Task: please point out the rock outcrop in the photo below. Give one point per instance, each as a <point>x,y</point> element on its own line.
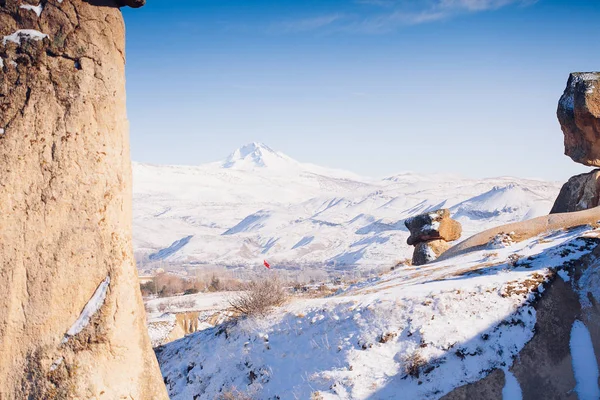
<point>434,225</point>
<point>579,193</point>
<point>544,368</point>
<point>579,116</point>
<point>71,315</point>
<point>429,233</point>
<point>523,230</point>
<point>426,252</point>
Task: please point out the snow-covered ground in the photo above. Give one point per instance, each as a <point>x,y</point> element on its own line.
<point>418,331</point>
<point>211,308</point>
<point>260,204</point>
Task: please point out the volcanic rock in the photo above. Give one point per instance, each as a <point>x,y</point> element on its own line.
<point>579,193</point>
<point>426,252</point>
<point>435,225</point>
<point>72,325</point>
<point>579,116</point>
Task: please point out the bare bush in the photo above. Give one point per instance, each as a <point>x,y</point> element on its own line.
<point>233,394</point>
<point>259,297</point>
<point>414,364</point>
<point>185,303</point>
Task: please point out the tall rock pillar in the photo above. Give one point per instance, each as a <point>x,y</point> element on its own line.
<point>71,315</point>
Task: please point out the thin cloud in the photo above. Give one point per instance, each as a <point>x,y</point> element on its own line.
<point>306,24</point>
<point>390,15</point>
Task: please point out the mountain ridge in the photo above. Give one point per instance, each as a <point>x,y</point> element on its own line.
<point>261,203</point>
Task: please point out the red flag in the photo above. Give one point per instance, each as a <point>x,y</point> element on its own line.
<point>266,264</point>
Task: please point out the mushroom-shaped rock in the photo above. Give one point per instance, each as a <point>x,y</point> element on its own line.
<point>579,193</point>
<point>434,225</point>
<point>579,116</point>
<point>426,252</point>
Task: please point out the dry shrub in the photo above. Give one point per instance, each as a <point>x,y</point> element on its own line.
<point>414,364</point>
<point>259,297</point>
<point>233,394</point>
<point>162,307</point>
<point>185,303</point>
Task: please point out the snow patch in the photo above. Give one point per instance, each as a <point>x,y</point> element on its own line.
<point>511,389</point>
<point>502,240</point>
<point>27,34</point>
<point>584,362</point>
<point>36,9</point>
<point>56,363</point>
<point>92,306</point>
<point>564,275</point>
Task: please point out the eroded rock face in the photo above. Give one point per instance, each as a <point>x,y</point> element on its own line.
<point>426,252</point>
<point>71,315</point>
<point>579,193</point>
<point>435,225</point>
<point>544,368</point>
<point>579,116</point>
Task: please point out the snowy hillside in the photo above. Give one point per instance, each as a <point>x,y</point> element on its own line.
<point>418,331</point>
<point>261,204</point>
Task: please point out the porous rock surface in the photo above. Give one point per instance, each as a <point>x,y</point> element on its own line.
<point>426,252</point>
<point>579,193</point>
<point>71,315</point>
<point>544,367</point>
<point>579,116</point>
<point>434,225</point>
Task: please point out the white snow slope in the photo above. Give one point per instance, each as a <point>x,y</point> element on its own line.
<point>260,204</point>
<point>418,331</point>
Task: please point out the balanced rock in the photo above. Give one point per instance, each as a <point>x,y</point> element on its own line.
<point>72,324</point>
<point>579,116</point>
<point>434,225</point>
<point>579,193</point>
<point>426,252</point>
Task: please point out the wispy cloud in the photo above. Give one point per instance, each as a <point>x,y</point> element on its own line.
<point>381,16</point>
<point>306,24</point>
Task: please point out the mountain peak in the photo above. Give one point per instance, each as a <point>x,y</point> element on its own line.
<point>256,155</point>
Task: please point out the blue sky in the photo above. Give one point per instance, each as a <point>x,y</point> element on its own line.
<point>372,86</point>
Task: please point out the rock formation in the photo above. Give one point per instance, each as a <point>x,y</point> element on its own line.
<point>579,116</point>
<point>430,233</point>
<point>426,252</point>
<point>71,315</point>
<point>523,230</point>
<point>544,368</point>
<point>579,193</point>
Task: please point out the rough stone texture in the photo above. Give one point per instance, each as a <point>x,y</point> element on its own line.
<point>579,116</point>
<point>488,388</point>
<point>544,367</point>
<point>65,210</point>
<point>426,252</point>
<point>525,229</point>
<point>579,193</point>
<point>433,225</point>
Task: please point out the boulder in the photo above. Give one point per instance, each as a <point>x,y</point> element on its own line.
<point>579,193</point>
<point>72,324</point>
<point>579,116</point>
<point>426,252</point>
<point>434,225</point>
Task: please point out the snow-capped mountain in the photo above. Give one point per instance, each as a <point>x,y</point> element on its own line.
<point>259,155</point>
<point>261,204</point>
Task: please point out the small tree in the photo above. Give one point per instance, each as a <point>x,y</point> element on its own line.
<point>215,284</point>
<point>259,297</point>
